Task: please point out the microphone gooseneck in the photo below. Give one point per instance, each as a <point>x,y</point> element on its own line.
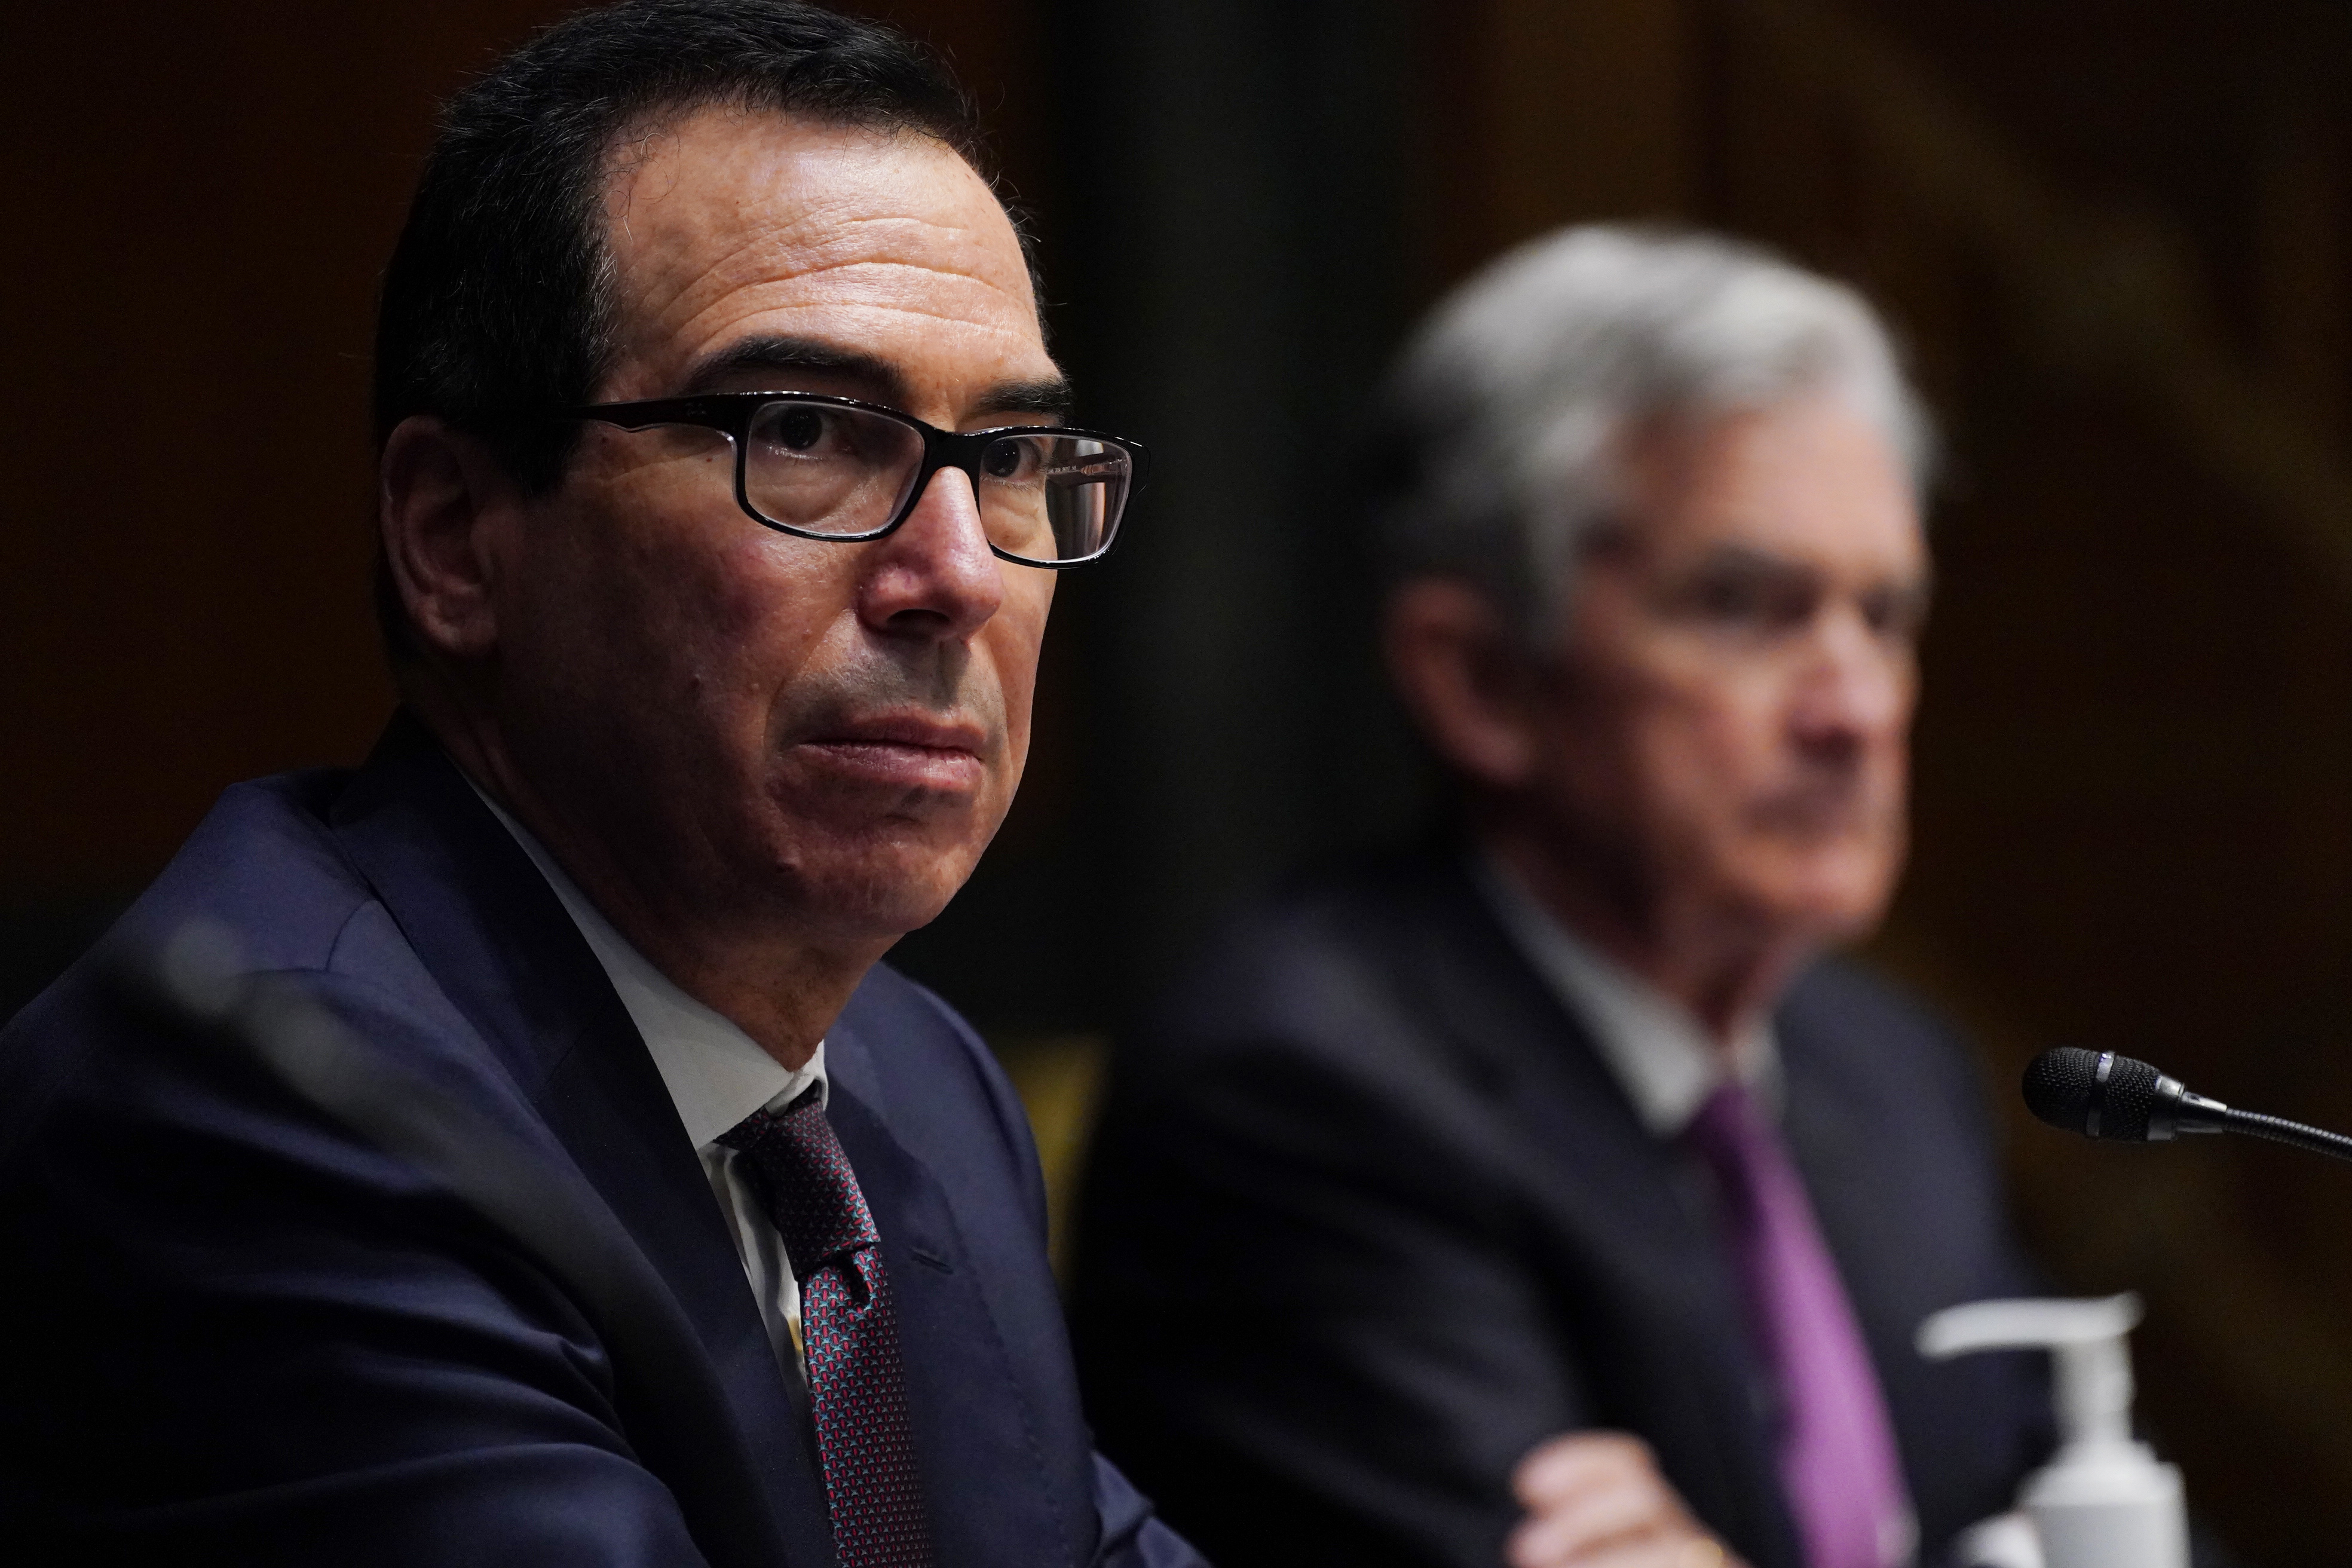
<point>2118,1099</point>
<point>2293,1135</point>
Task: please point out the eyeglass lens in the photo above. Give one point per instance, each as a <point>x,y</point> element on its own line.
<point>828,469</point>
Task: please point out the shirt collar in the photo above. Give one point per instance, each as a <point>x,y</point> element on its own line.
<point>716,1074</point>
<point>1650,1044</point>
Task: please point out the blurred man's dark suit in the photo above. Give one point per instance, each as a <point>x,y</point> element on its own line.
<point>238,1333</point>
<point>1369,1218</point>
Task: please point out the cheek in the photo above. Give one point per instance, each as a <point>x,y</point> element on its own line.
<point>738,614</point>
<point>1009,646</point>
<point>1716,762</point>
<point>683,642</point>
<point>1710,742</point>
<point>766,605</point>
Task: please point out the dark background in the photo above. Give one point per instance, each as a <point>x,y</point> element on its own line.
<point>2117,237</point>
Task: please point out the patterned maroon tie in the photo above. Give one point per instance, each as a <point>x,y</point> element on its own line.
<point>857,1387</point>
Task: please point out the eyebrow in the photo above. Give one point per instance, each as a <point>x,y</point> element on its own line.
<point>1747,558</point>
<point>1044,398</point>
<point>1048,398</point>
<point>881,380</point>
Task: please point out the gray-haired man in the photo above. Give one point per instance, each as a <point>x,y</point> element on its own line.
<point>1542,1195</point>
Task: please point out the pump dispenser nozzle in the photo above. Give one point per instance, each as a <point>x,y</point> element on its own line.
<point>2104,1500</point>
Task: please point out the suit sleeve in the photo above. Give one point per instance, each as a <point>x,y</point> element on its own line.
<point>1302,1323</point>
<point>261,1341</point>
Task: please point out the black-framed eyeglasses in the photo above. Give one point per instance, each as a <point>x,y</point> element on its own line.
<point>834,468</point>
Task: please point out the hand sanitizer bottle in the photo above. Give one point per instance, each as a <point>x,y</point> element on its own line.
<point>2104,1500</point>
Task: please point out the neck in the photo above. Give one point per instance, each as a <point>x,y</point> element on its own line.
<point>1726,970</point>
<point>782,985</point>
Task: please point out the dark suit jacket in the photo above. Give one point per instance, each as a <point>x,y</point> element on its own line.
<point>235,1332</point>
<point>1368,1218</point>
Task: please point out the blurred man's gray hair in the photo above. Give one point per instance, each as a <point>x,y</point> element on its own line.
<point>1503,415</point>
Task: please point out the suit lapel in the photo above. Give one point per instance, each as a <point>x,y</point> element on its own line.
<point>608,1105</point>
<point>1606,1166</point>
<point>991,1499</point>
<point>495,937</point>
<point>1628,1200</point>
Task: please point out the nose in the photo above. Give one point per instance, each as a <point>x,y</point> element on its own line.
<point>1858,688</point>
<point>934,577</point>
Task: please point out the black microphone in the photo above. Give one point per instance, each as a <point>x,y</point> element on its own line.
<point>2102,1095</point>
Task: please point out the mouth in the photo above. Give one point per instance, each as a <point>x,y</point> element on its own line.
<point>913,750</point>
<point>1822,810</point>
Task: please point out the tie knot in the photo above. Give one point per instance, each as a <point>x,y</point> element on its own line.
<point>1727,1114</point>
<point>812,1194</point>
<point>1729,1134</point>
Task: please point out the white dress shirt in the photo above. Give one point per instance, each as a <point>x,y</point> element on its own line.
<point>1651,1045</point>
<point>716,1075</point>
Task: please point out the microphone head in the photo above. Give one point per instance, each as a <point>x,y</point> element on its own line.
<point>2059,1084</point>
<point>2067,1089</point>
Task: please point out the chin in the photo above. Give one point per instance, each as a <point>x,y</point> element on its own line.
<point>884,888</point>
<point>871,870</point>
<point>1836,896</point>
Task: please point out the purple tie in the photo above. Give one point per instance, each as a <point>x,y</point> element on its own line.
<point>1838,1460</point>
<point>858,1386</point>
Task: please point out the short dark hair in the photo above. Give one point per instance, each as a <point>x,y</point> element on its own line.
<point>498,302</point>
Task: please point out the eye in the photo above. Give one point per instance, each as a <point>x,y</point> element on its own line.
<point>1895,613</point>
<point>798,429</point>
<point>1729,597</point>
<point>1005,459</point>
<point>1753,600</point>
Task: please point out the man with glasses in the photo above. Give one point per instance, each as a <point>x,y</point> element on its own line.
<point>724,479</point>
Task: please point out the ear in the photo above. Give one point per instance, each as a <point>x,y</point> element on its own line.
<point>441,501</point>
<point>1465,678</point>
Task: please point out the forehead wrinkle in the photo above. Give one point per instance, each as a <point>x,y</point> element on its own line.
<point>879,267</point>
<point>755,209</point>
<point>712,320</point>
<point>1011,363</point>
<point>845,258</point>
<point>825,224</point>
<point>855,243</point>
<point>680,311</point>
